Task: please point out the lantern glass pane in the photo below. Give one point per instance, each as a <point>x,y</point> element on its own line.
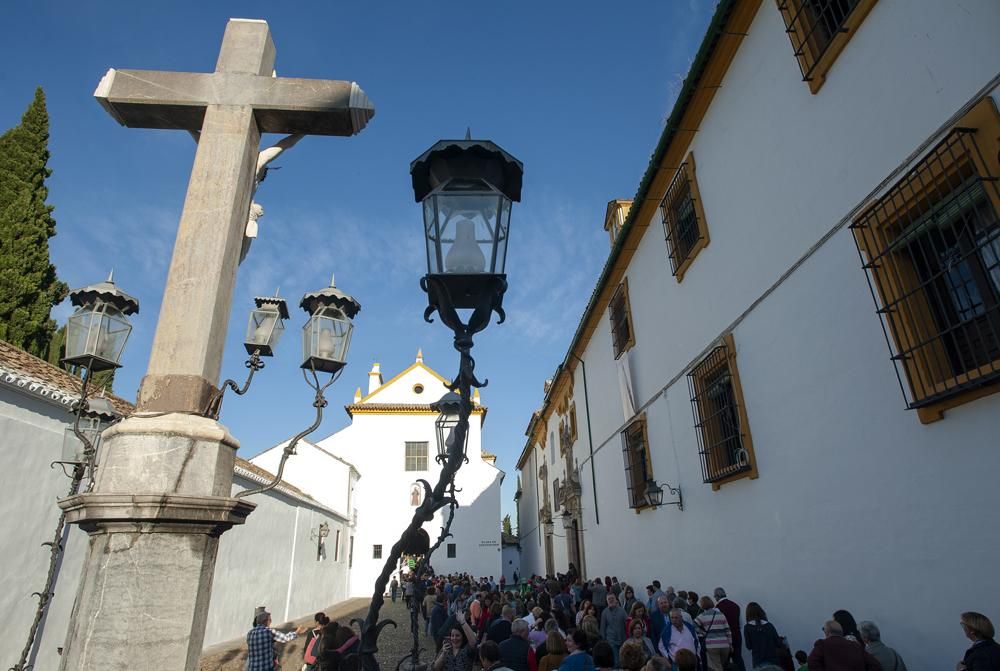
<point>326,338</point>
<point>264,329</point>
<point>97,332</point>
<point>466,231</point>
<point>72,448</point>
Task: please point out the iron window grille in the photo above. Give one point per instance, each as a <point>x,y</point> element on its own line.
<point>336,547</point>
<point>452,550</point>
<point>719,418</point>
<point>931,251</point>
<point>376,552</point>
<point>635,449</point>
<point>683,219</point>
<point>818,30</point>
<point>621,320</point>
<point>416,456</point>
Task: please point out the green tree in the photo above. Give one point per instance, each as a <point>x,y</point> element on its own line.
<point>505,525</point>
<point>28,283</point>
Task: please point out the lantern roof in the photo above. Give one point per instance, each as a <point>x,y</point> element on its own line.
<point>466,159</point>
<point>274,300</point>
<point>449,403</point>
<point>100,407</point>
<point>314,300</point>
<point>107,292</point>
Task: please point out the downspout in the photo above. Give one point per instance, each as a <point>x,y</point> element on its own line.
<point>590,436</point>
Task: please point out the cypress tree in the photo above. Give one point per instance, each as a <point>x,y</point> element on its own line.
<point>28,283</point>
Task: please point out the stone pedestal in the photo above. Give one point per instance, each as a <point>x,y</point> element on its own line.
<point>160,503</point>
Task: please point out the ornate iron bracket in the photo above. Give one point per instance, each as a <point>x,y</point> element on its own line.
<point>254,363</point>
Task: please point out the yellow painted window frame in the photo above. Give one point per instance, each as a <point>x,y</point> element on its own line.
<point>815,65</point>
<point>622,291</point>
<point>985,119</point>
<point>746,438</point>
<point>684,182</point>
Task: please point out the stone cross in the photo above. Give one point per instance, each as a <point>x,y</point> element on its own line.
<point>231,107</point>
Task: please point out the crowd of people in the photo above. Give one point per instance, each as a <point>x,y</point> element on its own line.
<point>329,646</point>
<point>565,623</point>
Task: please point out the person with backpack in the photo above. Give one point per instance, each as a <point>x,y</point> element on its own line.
<point>311,651</point>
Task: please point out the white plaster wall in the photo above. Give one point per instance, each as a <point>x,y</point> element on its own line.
<point>858,505</point>
<point>529,531</point>
<point>271,560</point>
<point>32,432</point>
<point>510,559</point>
<point>323,476</point>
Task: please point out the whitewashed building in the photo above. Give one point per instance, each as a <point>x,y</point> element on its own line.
<point>278,558</point>
<point>375,464</point>
<point>798,330</point>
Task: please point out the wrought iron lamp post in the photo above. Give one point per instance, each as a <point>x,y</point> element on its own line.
<point>326,337</point>
<point>96,334</point>
<point>466,188</point>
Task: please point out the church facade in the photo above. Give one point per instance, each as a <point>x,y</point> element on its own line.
<point>376,463</point>
<point>795,334</point>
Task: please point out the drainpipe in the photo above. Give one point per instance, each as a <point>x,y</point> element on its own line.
<point>590,436</point>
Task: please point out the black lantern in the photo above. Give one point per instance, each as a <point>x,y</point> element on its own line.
<point>567,521</point>
<point>466,188</point>
<point>97,331</point>
<point>98,414</point>
<point>448,407</point>
<point>266,325</point>
<point>326,337</point>
<point>654,494</point>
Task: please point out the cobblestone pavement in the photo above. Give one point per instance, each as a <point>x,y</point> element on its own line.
<point>393,643</point>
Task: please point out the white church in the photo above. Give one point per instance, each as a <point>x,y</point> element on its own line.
<point>373,467</point>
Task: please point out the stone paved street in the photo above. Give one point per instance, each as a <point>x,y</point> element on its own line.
<point>393,644</point>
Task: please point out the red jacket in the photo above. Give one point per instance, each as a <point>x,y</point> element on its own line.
<point>836,653</point>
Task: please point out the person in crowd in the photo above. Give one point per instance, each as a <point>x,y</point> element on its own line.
<point>761,637</point>
<point>669,591</point>
<point>516,652</point>
<point>628,600</point>
<point>802,659</point>
<point>871,637</point>
<point>577,658</point>
<point>533,615</point>
<point>489,655</point>
<point>536,635</point>
<point>660,618</point>
<point>499,631</point>
<point>590,626</point>
<point>408,591</point>
<point>678,635</point>
<point>681,604</point>
<point>837,653</point>
<point>261,655</point>
<point>604,658</point>
<point>638,612</point>
<point>393,588</point>
<point>338,644</point>
<point>551,625</point>
<point>599,595</point>
<point>686,660</point>
<point>582,610</point>
<point>658,664</point>
<point>311,649</point>
<point>632,656</point>
<point>459,650</point>
<point>713,627</point>
<point>555,652</point>
<point>693,609</point>
<point>439,615</point>
<point>848,625</point>
<point>637,636</point>
<point>732,612</point>
<point>613,627</point>
<point>984,655</point>
<point>427,607</point>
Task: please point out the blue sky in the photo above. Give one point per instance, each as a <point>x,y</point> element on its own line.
<point>577,91</point>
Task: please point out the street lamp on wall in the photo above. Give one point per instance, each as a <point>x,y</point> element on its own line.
<point>654,494</point>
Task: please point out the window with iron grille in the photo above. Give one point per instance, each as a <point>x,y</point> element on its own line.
<point>931,250</point>
<point>819,30</point>
<point>376,552</point>
<point>635,448</point>
<point>683,219</point>
<point>720,416</point>
<point>621,320</point>
<point>452,550</point>
<point>416,456</point>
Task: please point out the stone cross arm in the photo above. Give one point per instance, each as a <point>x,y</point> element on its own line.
<point>287,105</point>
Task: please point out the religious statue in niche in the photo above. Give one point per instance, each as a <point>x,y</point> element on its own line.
<point>415,495</point>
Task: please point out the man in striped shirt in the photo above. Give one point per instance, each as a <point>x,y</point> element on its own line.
<point>714,628</point>
<point>261,640</point>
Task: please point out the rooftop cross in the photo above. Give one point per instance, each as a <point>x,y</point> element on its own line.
<point>230,107</point>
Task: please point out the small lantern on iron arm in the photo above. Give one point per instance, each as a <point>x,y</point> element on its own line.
<point>448,408</point>
<point>266,325</point>
<point>97,331</point>
<point>466,188</point>
<point>326,337</point>
<point>654,494</point>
